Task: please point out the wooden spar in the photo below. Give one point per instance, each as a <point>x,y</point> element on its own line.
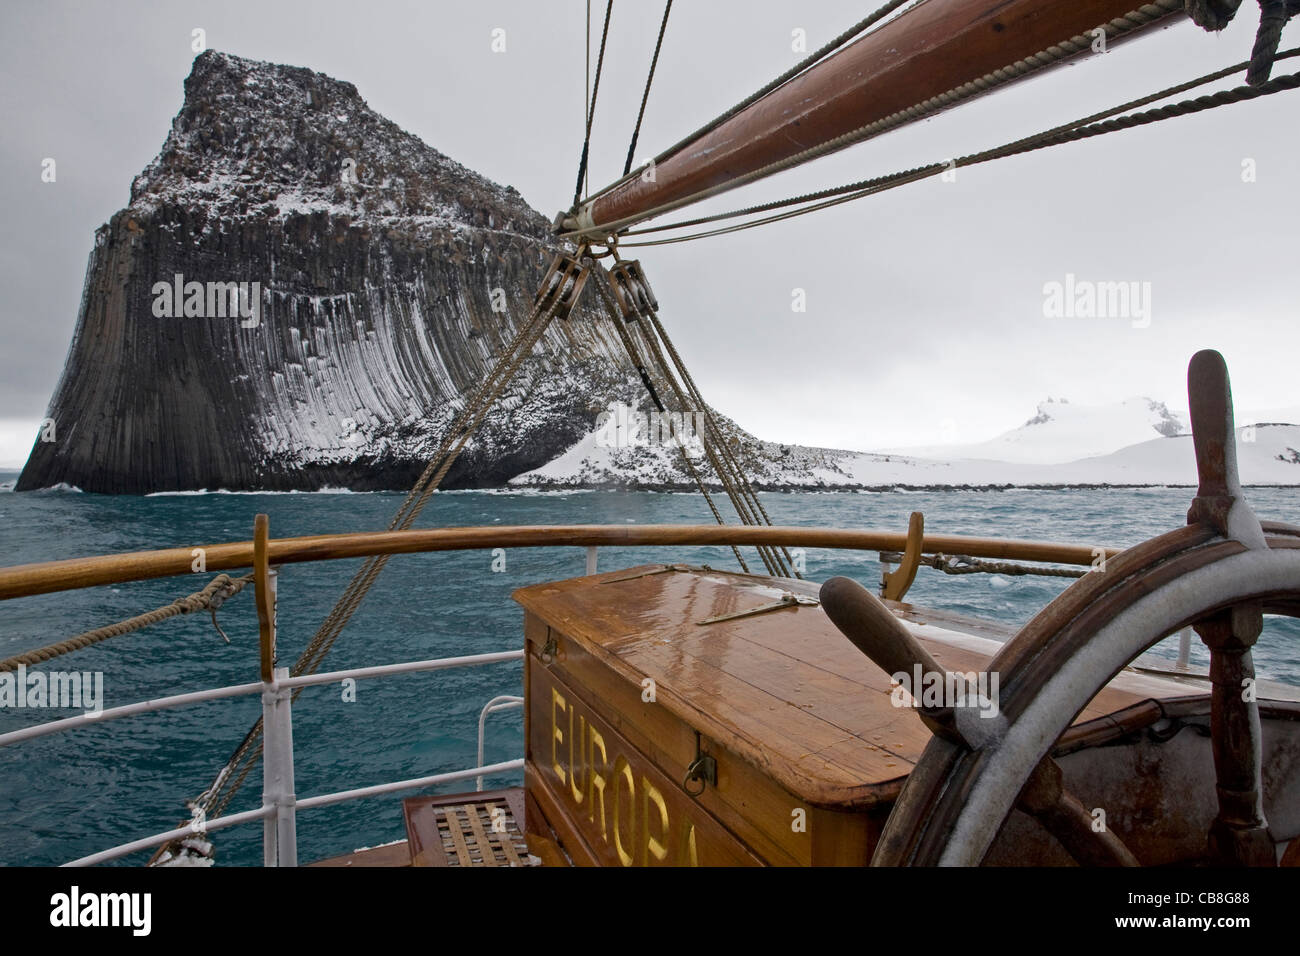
<point>74,573</point>
<point>932,49</point>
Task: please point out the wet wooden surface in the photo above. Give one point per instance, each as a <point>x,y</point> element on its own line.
<point>390,855</point>
<point>784,688</point>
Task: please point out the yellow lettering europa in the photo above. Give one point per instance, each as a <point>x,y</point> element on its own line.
<point>596,779</point>
<point>687,855</point>
<point>624,806</point>
<point>654,846</point>
<point>575,755</point>
<point>557,703</point>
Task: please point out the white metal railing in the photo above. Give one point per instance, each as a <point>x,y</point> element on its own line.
<point>279,801</point>
<point>496,704</point>
<point>236,690</point>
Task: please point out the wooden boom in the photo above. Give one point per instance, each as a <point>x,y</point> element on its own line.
<point>935,48</point>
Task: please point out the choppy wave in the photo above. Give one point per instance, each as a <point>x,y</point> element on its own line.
<point>227,491</point>
<point>430,605</point>
<point>511,491</point>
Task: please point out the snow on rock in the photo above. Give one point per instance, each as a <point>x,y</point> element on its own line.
<point>376,258</point>
<point>1267,455</point>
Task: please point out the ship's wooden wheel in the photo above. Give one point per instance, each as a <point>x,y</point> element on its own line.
<point>1220,574</point>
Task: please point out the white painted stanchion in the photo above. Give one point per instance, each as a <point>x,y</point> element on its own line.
<point>501,702</point>
<point>279,831</point>
<point>280,844</point>
<point>1184,647</point>
<point>591,560</point>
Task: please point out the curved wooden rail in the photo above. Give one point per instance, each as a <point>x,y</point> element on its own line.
<point>74,573</point>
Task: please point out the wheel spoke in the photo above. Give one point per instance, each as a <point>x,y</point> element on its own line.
<point>1239,834</point>
<point>1065,817</point>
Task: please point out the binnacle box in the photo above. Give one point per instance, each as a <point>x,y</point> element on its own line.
<point>683,716</point>
<point>628,695</point>
<point>793,750</point>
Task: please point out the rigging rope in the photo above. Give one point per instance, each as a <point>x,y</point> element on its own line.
<point>730,476</point>
<point>586,77</point>
<point>961,564</point>
<point>639,362</point>
<point>654,60</point>
<point>591,110</point>
<point>1056,137</point>
<point>711,450</point>
<point>1273,17</point>
<point>785,77</point>
<point>647,357</point>
<point>867,183</point>
<point>212,596</point>
<point>746,487</point>
<point>215,799</point>
<point>1057,53</point>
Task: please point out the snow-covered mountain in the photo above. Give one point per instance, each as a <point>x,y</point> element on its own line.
<point>1061,432</point>
<point>1268,454</point>
<point>1270,416</point>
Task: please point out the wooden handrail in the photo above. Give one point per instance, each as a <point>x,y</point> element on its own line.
<point>74,573</point>
<point>263,593</point>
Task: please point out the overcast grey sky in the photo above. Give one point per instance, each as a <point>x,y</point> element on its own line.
<point>924,316</point>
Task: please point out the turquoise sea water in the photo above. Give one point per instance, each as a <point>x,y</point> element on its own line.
<point>71,794</point>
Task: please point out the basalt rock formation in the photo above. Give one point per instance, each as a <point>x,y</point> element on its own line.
<point>380,279</point>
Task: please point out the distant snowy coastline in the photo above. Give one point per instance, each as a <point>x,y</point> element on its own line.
<point>1135,443</point>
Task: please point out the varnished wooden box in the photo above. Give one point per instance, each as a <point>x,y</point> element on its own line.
<point>626,689</point>
<point>630,680</point>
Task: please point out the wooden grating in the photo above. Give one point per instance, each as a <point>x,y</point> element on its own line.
<point>468,829</point>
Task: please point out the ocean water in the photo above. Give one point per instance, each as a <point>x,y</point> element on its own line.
<point>71,794</point>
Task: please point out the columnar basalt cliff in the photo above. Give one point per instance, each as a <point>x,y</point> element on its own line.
<point>380,280</point>
<point>375,260</point>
